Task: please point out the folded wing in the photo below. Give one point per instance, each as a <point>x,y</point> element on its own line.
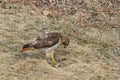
<point>45,41</point>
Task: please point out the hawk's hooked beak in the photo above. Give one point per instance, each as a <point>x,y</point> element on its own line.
<point>25,49</point>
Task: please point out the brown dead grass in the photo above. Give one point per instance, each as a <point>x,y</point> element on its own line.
<point>93,29</point>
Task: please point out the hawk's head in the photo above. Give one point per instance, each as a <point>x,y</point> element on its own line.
<point>65,42</point>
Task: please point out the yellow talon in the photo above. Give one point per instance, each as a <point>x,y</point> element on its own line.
<point>54,61</point>
<point>52,57</point>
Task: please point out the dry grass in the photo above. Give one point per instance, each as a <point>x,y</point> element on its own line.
<point>91,25</point>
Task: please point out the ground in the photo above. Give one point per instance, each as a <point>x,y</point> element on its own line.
<point>93,52</point>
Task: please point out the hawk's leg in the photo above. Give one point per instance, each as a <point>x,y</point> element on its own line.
<point>52,57</point>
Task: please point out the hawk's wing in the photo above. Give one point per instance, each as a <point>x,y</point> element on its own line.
<point>45,41</point>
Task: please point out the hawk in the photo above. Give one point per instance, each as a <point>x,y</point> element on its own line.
<point>49,42</point>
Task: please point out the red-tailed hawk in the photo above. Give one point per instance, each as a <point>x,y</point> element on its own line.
<point>49,42</point>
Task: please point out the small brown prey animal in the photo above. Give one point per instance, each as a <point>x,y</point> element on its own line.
<point>49,42</point>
